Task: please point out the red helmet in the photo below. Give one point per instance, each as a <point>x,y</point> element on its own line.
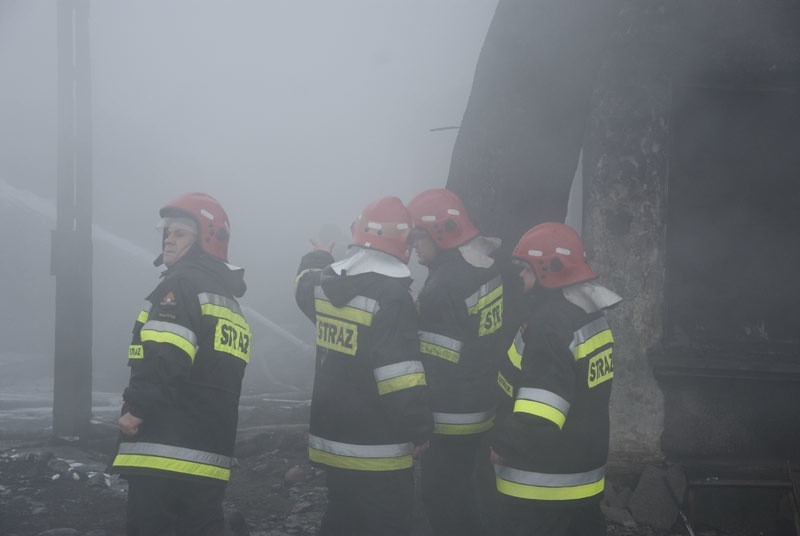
<point>384,225</point>
<point>442,214</point>
<point>211,219</point>
<point>555,252</point>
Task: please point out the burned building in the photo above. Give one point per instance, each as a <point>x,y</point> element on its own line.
<point>687,117</point>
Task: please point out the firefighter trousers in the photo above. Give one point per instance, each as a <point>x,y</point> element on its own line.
<point>519,517</point>
<point>368,503</point>
<point>171,507</point>
<point>457,481</point>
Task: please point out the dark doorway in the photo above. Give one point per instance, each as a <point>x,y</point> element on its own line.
<point>730,369</point>
<point>733,249</point>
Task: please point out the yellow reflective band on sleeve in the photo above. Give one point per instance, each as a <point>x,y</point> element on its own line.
<point>143,316</point>
<point>462,423</point>
<point>171,465</point>
<point>398,376</point>
<point>543,493</point>
<point>135,351</point>
<point>232,339</point>
<point>505,385</point>
<point>540,410</point>
<point>360,457</point>
<point>337,335</point>
<point>549,486</point>
<point>515,353</point>
<point>601,368</point>
<point>360,464</point>
<point>401,382</point>
<point>149,335</point>
<point>439,351</point>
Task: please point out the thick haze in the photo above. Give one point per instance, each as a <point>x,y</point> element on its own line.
<point>293,114</point>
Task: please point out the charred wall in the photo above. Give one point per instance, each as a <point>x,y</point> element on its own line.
<point>654,71</point>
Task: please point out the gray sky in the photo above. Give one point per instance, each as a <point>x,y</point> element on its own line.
<point>289,112</point>
<point>293,114</point>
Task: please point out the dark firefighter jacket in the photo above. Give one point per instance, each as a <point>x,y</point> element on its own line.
<point>554,438</point>
<point>369,406</point>
<point>188,354</point>
<point>460,321</point>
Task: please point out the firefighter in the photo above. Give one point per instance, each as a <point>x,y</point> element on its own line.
<point>550,451</point>
<point>190,347</point>
<point>461,319</point>
<point>369,411</point>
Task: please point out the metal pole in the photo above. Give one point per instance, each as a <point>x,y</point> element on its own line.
<point>71,257</point>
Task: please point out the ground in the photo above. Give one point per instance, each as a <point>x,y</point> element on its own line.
<point>58,487</point>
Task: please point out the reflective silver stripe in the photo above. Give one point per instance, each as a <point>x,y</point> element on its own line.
<point>548,480</point>
<point>462,418</point>
<point>222,301</point>
<point>484,290</point>
<point>545,397</point>
<point>588,331</point>
<point>147,306</point>
<point>440,340</point>
<point>397,369</point>
<point>169,327</point>
<point>176,453</point>
<point>360,451</point>
<point>359,302</point>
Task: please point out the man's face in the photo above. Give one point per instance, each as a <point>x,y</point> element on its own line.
<point>528,277</point>
<point>424,246</point>
<point>178,238</point>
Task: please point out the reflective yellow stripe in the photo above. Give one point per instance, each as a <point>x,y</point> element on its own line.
<point>148,335</point>
<point>401,382</point>
<point>172,465</point>
<point>347,313</point>
<point>135,351</point>
<point>549,486</point>
<point>505,385</point>
<point>515,356</point>
<point>586,348</point>
<point>540,410</point>
<point>360,464</point>
<point>462,423</point>
<point>461,429</point>
<point>224,313</point>
<point>590,337</point>
<point>484,301</point>
<point>486,294</point>
<point>143,316</point>
<point>439,351</point>
<point>542,493</point>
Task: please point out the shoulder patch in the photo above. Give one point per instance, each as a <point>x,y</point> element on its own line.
<point>168,300</point>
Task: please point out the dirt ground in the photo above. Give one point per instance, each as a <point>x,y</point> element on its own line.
<point>57,487</point>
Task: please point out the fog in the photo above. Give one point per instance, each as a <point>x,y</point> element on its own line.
<point>293,115</point>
